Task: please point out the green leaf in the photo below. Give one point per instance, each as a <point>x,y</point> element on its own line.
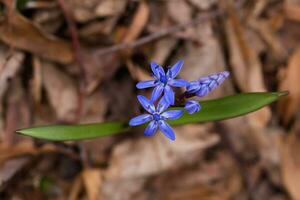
<point>212,110</point>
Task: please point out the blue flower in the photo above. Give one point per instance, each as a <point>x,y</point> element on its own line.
<point>206,84</point>
<point>192,106</point>
<point>163,82</point>
<point>157,117</point>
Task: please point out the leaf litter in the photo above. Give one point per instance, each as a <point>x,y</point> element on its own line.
<point>43,80</point>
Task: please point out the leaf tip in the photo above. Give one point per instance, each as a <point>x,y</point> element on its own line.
<point>283,93</point>
<point>22,131</point>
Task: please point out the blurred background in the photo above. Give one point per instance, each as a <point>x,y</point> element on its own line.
<point>77,61</point>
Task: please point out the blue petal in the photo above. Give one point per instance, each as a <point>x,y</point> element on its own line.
<point>151,128</point>
<point>166,130</point>
<point>178,83</point>
<point>172,114</point>
<point>162,105</point>
<point>146,84</point>
<point>141,119</point>
<point>204,90</point>
<point>192,106</point>
<point>193,87</point>
<point>147,105</point>
<point>173,72</point>
<point>156,93</point>
<point>169,95</point>
<point>157,70</point>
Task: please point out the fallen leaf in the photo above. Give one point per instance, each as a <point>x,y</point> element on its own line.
<point>10,168</point>
<point>205,59</point>
<point>17,113</point>
<point>246,66</point>
<point>127,189</point>
<point>291,163</point>
<point>37,80</point>
<point>148,156</point>
<point>162,49</point>
<point>136,72</point>
<point>108,8</point>
<point>292,10</point>
<point>61,92</point>
<point>179,11</point>
<point>203,4</point>
<point>288,106</point>
<point>92,182</point>
<point>90,10</point>
<point>9,67</point>
<point>21,33</point>
<point>76,188</point>
<point>138,23</point>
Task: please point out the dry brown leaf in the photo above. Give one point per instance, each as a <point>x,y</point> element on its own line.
<point>204,59</point>
<point>148,156</point>
<point>92,182</point>
<point>109,8</point>
<point>289,105</point>
<point>138,23</point>
<point>196,193</point>
<point>246,66</point>
<point>17,111</point>
<point>291,163</point>
<point>136,72</point>
<point>269,36</point>
<point>61,91</point>
<point>76,188</point>
<point>37,80</point>
<point>23,148</point>
<point>203,4</point>
<point>136,27</point>
<point>10,168</point>
<point>179,11</point>
<point>292,10</point>
<point>162,49</point>
<point>123,189</point>
<point>22,33</point>
<point>91,9</point>
<point>9,67</point>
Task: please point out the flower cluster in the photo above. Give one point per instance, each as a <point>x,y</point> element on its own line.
<point>163,97</point>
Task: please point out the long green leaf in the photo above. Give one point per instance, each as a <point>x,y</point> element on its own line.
<point>212,110</point>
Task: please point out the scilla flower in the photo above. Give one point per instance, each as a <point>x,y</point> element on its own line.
<point>205,85</point>
<point>163,82</point>
<point>157,117</point>
<point>192,106</point>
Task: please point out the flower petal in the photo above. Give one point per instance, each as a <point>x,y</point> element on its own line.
<point>162,105</point>
<point>192,106</point>
<point>173,72</point>
<point>166,130</point>
<point>151,128</point>
<point>203,91</point>
<point>147,105</point>
<point>172,114</point>
<point>141,119</point>
<point>193,87</point>
<point>178,83</point>
<point>156,93</point>
<point>146,84</point>
<point>157,70</point>
<point>169,95</point>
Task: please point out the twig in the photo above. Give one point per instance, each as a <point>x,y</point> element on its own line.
<point>167,31</point>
